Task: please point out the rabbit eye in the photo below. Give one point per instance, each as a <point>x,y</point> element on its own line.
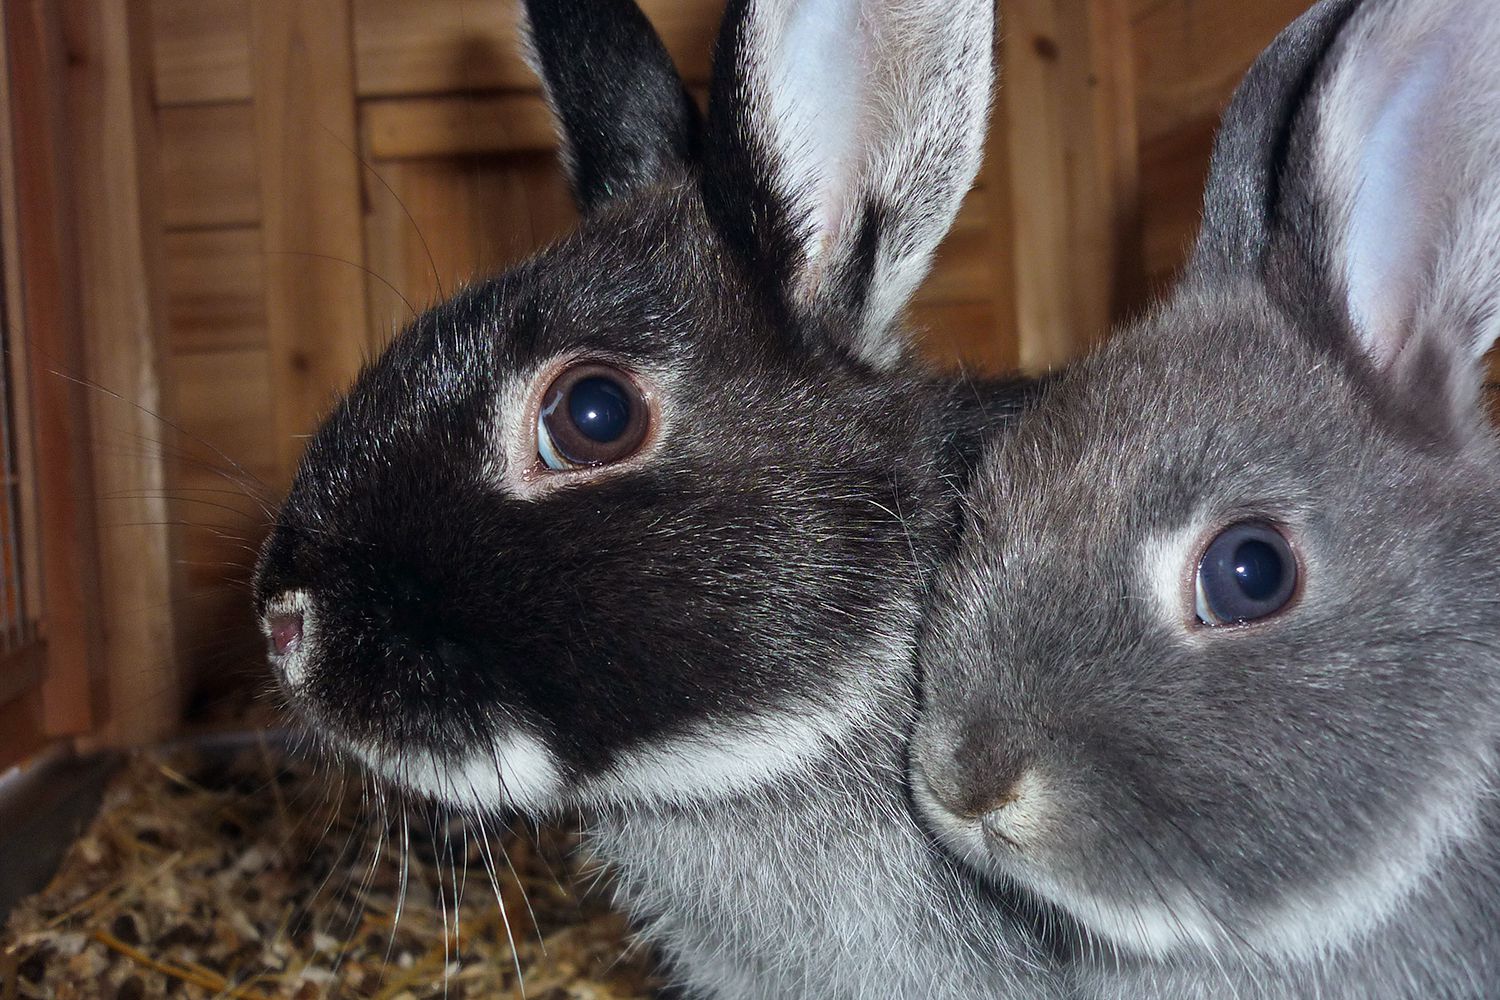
<point>592,414</point>
<point>1247,572</point>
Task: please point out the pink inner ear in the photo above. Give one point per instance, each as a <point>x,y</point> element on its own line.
<point>1396,215</point>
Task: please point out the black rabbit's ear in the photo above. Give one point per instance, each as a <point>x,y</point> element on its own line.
<point>623,115</point>
<point>842,137</point>
<point>1373,210</point>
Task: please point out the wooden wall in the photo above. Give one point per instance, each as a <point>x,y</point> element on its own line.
<point>325,162</point>
<point>1189,54</point>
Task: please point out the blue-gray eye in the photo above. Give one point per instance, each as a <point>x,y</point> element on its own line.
<point>592,414</point>
<point>1248,572</point>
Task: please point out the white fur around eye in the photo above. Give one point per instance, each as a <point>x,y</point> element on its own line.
<point>1167,568</point>
<point>514,465</point>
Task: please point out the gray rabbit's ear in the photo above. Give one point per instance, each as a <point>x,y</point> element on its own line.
<point>1240,205</point>
<point>623,115</point>
<point>1375,210</point>
<point>842,137</point>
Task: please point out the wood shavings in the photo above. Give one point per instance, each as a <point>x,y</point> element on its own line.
<point>252,877</point>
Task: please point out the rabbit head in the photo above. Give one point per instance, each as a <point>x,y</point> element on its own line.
<point>1216,663</point>
<point>636,517</point>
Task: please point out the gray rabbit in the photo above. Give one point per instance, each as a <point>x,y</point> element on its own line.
<point>638,528</point>
<point>1213,675</point>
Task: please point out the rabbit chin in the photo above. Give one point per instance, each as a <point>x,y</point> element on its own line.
<point>1017,855</point>
<point>517,772</point>
<point>1157,917</point>
<point>712,761</point>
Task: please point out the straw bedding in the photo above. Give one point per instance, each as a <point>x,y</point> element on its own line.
<point>260,877</point>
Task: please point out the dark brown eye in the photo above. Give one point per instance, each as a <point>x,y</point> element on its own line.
<point>592,414</point>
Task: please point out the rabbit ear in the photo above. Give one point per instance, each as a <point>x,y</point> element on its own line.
<point>1385,201</point>
<point>623,115</point>
<point>1250,148</point>
<point>843,135</point>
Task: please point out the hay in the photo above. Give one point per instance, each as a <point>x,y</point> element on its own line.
<point>256,878</point>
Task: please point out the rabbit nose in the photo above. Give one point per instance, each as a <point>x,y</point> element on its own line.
<point>286,628</point>
<point>990,774</point>
<point>286,633</point>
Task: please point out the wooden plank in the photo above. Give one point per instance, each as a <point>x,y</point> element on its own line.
<point>18,385</point>
<point>51,331</point>
<point>962,269</point>
<point>216,290</point>
<point>409,128</point>
<point>22,727</point>
<point>21,671</point>
<point>460,125</point>
<point>1189,58</point>
<point>473,216</point>
<point>208,166</point>
<point>201,51</point>
<point>1174,170</point>
<point>116,173</point>
<point>999,350</point>
<point>1190,55</point>
<point>310,189</point>
<point>1069,97</point>
<point>224,407</point>
<point>459,46</point>
<point>961,335</point>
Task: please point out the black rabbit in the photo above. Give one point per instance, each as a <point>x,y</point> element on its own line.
<point>639,526</point>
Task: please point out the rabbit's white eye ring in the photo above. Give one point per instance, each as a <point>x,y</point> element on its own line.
<point>1247,573</point>
<point>592,414</point>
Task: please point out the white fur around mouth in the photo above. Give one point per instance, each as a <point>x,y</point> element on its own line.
<point>964,837</point>
<point>518,773</point>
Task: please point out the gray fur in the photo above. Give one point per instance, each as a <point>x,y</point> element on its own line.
<point>1305,805</point>
<point>820,885</point>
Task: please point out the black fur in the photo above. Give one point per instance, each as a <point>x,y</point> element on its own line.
<point>626,120</point>
<point>720,574</point>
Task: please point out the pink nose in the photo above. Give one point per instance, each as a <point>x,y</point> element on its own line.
<point>286,633</point>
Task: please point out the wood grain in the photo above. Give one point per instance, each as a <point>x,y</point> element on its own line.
<point>310,187</point>
<point>1069,99</point>
<point>1189,57</point>
<point>22,729</point>
<point>460,46</point>
<point>117,173</point>
<point>474,216</point>
<point>50,333</point>
<point>201,51</point>
<point>996,349</point>
<point>413,127</point>
<point>225,461</point>
<point>216,290</point>
<point>961,336</point>
<point>209,166</point>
